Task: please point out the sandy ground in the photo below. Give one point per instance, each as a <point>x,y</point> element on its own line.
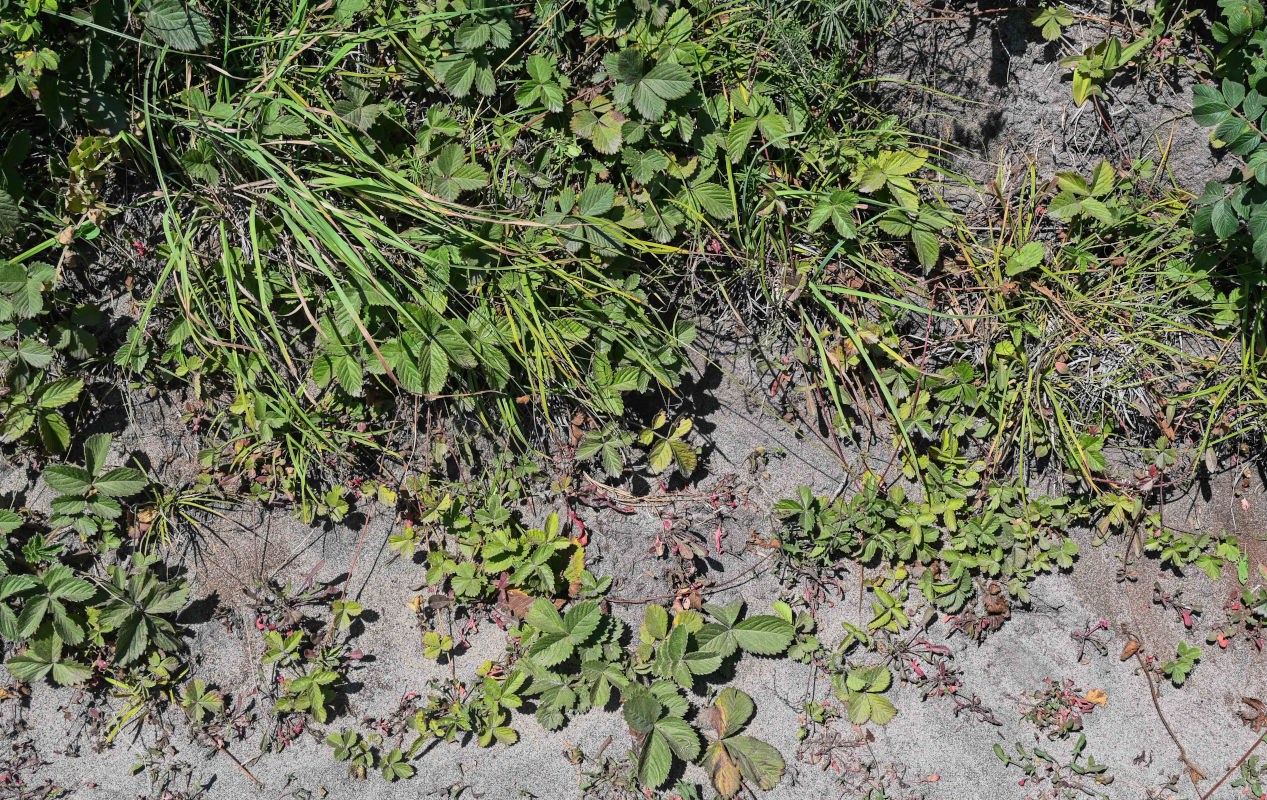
<point>982,81</point>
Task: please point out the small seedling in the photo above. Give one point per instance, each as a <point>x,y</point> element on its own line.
<point>862,690</point>
<point>1052,21</point>
<point>1186,659</point>
<point>435,645</point>
<point>1096,66</point>
<point>668,445</point>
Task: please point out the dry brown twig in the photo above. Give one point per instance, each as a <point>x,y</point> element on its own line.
<point>1195,773</point>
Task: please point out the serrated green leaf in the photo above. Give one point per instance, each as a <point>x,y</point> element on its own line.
<point>286,125</point>
<point>660,457</point>
<point>581,620</point>
<point>760,763</point>
<point>596,200</point>
<point>16,423</point>
<point>644,164</point>
<point>10,214</point>
<point>1223,219</point>
<point>765,635</point>
<point>54,432</point>
<point>96,448</point>
<point>655,761</point>
<point>738,137</point>
<point>1208,106</point>
<point>28,667</point>
<point>35,353</point>
<point>543,616</point>
<point>68,479</point>
<point>9,522</point>
<point>881,709</point>
<point>681,737</point>
<point>715,200</point>
<point>180,27</point>
<point>641,711</point>
<point>59,392</point>
<point>735,708</point>
<point>121,482</point>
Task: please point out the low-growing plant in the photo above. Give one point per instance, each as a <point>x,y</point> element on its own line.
<point>88,496</point>
<point>862,690</point>
<point>36,326</point>
<point>1250,776</point>
<point>1012,536</point>
<point>1233,211</point>
<point>493,550</point>
<point>312,692</point>
<point>355,749</point>
<point>480,709</point>
<point>656,718</point>
<point>806,647</point>
<point>1052,21</point>
<point>1096,66</point>
<point>64,615</point>
<point>608,444</point>
<point>200,702</point>
<point>668,445</point>
<point>1073,777</point>
<point>436,645</point>
<point>139,607</point>
<point>144,689</point>
<point>576,661</point>
<point>1058,709</point>
<point>393,765</point>
<point>1186,658</point>
<point>343,613</point>
<point>733,759</point>
<point>1079,199</point>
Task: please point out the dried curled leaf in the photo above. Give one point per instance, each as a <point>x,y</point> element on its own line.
<point>518,602</point>
<point>1255,716</point>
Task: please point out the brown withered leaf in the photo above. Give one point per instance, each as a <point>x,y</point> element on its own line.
<point>713,717</point>
<point>1132,647</point>
<point>1097,696</point>
<point>996,605</point>
<point>693,600</point>
<point>1255,716</point>
<point>518,603</point>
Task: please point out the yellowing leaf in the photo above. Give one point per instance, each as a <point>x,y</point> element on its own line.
<point>723,771</point>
